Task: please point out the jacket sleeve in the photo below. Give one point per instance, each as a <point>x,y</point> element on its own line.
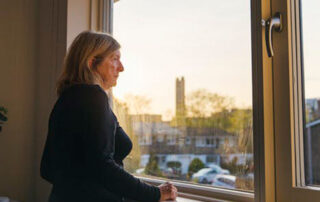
<point>99,146</point>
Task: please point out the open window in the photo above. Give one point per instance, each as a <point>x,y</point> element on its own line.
<point>296,91</point>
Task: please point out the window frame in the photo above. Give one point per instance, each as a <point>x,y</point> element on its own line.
<point>201,192</point>
<point>206,193</point>
<point>288,106</point>
<point>298,97</point>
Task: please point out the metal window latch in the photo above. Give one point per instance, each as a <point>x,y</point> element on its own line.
<point>276,23</point>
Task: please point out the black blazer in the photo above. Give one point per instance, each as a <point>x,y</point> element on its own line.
<point>84,150</point>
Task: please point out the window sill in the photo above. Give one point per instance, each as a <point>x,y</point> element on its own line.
<point>191,192</point>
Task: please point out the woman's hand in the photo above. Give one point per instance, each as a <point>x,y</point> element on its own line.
<point>168,191</point>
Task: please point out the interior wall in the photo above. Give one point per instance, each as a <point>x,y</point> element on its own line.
<point>60,22</point>
<point>17,90</point>
<point>34,37</point>
<point>78,18</point>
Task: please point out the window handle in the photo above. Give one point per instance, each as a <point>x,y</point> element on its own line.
<point>274,22</point>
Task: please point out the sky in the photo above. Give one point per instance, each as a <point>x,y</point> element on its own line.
<point>311,47</point>
<point>206,41</point>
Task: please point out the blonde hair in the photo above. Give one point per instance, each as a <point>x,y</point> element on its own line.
<point>86,46</point>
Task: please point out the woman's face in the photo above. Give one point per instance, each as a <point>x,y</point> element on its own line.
<point>109,69</point>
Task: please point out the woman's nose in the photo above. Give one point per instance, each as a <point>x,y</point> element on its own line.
<point>121,68</point>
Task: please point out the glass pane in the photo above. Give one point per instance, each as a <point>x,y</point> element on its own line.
<point>185,97</point>
<point>311,42</point>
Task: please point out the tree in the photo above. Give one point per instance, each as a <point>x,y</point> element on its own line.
<point>241,124</point>
<point>132,162</point>
<point>238,169</point>
<point>132,104</point>
<point>195,165</point>
<point>202,103</point>
<point>152,167</point>
<point>137,104</point>
<point>206,109</point>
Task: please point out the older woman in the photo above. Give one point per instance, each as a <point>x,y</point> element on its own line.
<point>85,145</point>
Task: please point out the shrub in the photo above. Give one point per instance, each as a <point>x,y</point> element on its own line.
<point>195,165</point>
<point>152,167</point>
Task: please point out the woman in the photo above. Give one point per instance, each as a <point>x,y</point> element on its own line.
<point>85,145</point>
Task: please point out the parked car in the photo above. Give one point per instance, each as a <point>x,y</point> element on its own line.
<point>140,171</point>
<point>225,181</point>
<point>206,175</point>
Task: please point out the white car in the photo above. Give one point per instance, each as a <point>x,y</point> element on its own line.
<point>225,181</point>
<point>206,175</point>
<point>140,171</point>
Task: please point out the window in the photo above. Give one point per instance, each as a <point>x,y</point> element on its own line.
<point>215,159</point>
<point>187,93</point>
<point>188,140</point>
<point>311,91</point>
<point>171,140</point>
<point>294,93</point>
<point>145,139</point>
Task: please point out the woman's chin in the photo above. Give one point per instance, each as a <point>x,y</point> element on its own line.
<point>114,84</point>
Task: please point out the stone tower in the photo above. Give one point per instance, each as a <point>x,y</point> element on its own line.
<point>180,99</point>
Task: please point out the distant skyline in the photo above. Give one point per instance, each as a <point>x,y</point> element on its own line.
<point>165,39</point>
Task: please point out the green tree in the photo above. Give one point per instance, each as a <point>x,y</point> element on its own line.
<point>207,109</point>
<point>152,167</point>
<point>202,103</point>
<point>195,165</point>
<point>241,124</point>
<point>221,120</point>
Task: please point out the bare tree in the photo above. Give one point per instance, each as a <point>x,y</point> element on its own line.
<point>137,104</point>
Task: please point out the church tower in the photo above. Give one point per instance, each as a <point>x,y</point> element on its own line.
<point>180,99</point>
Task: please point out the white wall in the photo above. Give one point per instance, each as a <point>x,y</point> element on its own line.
<point>78,18</point>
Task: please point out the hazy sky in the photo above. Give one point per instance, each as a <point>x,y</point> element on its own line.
<point>206,41</point>
<point>311,46</point>
<point>164,39</point>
